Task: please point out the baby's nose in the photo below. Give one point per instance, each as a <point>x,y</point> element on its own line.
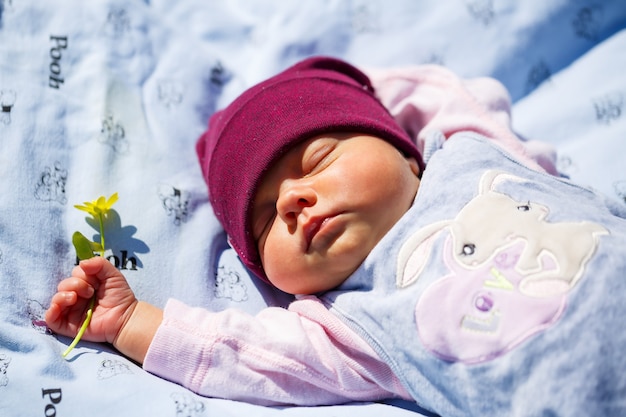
<point>294,196</point>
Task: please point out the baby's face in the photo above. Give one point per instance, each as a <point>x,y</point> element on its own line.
<point>324,206</point>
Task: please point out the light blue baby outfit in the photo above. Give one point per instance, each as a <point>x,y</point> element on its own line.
<point>501,292</point>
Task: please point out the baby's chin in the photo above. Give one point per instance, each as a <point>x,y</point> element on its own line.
<point>314,282</point>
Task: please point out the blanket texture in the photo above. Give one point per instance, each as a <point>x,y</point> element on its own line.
<point>110,96</point>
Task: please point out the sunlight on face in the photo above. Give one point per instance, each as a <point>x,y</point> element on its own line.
<point>325,205</point>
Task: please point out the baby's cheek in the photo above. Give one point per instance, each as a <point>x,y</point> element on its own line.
<point>277,260</point>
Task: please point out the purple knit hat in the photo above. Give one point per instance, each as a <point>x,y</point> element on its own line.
<point>316,96</point>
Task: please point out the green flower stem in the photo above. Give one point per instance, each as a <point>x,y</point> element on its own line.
<point>83,328</point>
<point>92,302</point>
<point>101,220</point>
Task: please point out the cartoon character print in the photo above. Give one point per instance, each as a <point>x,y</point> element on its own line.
<point>228,284</point>
<point>36,313</point>
<point>113,134</point>
<point>175,202</point>
<point>187,405</point>
<point>51,184</point>
<point>4,365</point>
<point>111,367</point>
<point>503,286</point>
<point>117,23</point>
<point>609,108</point>
<point>588,22</point>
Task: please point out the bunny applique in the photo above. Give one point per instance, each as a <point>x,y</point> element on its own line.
<point>510,272</point>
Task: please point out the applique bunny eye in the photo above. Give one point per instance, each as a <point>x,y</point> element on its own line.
<point>524,207</point>
<point>469,249</point>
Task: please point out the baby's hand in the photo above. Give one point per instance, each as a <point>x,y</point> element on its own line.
<point>115,302</point>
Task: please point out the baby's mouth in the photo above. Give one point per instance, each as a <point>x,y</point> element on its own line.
<point>318,226</point>
<point>311,228</point>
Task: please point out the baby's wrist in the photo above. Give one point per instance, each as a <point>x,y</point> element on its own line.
<point>138,330</point>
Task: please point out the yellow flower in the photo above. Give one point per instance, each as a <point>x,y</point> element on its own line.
<point>98,207</point>
<point>85,249</point>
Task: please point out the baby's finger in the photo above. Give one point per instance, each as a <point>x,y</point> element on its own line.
<point>98,268</point>
<point>77,271</point>
<point>53,313</point>
<point>64,299</point>
<point>76,285</point>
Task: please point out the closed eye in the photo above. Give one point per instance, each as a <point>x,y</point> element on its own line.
<point>316,156</point>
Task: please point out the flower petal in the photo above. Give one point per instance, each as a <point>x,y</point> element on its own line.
<point>112,200</point>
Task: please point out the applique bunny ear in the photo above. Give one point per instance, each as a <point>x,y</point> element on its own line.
<point>492,178</point>
<point>415,253</point>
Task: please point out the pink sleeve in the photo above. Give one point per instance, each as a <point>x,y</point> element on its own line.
<point>430,98</point>
<point>302,356</point>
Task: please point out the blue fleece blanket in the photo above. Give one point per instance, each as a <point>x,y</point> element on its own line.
<point>107,96</point>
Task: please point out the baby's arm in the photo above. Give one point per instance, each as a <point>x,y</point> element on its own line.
<point>304,355</point>
<point>429,98</point>
<point>118,317</point>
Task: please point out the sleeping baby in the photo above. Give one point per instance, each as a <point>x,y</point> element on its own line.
<point>434,256</point>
